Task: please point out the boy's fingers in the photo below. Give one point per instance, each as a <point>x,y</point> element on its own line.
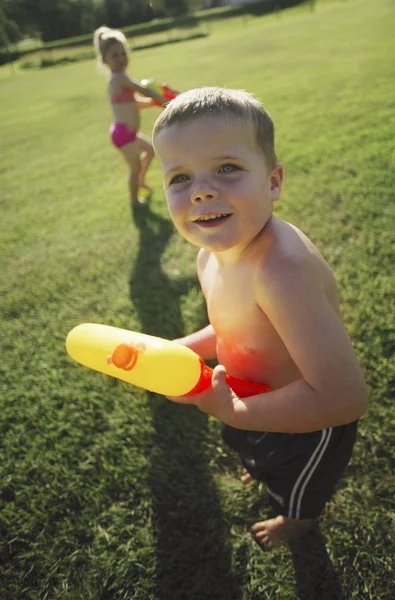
<point>219,377</point>
<point>218,380</point>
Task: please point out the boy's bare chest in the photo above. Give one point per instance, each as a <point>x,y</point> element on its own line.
<point>247,343</point>
<point>232,307</point>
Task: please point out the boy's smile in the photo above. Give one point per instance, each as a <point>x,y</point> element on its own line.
<point>211,219</point>
<point>218,187</point>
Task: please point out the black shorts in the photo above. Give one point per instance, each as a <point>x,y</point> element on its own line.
<point>300,470</point>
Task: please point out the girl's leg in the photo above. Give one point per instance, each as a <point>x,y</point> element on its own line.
<point>147,154</point>
<point>131,153</point>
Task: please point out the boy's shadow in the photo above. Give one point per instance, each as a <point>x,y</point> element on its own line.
<point>315,574</point>
<point>193,550</point>
<point>154,295</point>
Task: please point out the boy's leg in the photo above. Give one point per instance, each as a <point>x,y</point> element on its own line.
<point>301,472</point>
<point>280,530</point>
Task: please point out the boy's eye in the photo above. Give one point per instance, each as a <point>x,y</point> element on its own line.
<point>228,168</point>
<point>179,179</point>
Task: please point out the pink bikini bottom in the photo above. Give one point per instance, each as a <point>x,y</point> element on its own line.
<point>121,134</point>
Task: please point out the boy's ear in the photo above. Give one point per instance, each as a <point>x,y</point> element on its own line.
<point>276,181</point>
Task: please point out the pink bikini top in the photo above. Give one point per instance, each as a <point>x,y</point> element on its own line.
<point>125,96</point>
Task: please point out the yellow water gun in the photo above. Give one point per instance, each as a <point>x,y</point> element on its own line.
<point>149,362</point>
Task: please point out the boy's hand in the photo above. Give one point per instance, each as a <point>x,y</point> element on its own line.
<point>218,400</point>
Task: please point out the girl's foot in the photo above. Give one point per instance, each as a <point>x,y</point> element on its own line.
<point>280,530</point>
<point>140,202</point>
<point>144,196</point>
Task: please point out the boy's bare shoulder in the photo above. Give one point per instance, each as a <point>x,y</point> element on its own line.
<point>286,246</point>
<point>289,259</point>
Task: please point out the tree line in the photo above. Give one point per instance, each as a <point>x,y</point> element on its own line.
<point>51,20</point>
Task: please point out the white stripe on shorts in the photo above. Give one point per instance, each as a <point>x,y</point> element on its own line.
<point>305,476</point>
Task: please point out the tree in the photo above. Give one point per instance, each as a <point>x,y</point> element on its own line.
<point>9,31</point>
<point>10,34</point>
<point>19,11</point>
<point>121,13</point>
<point>54,19</point>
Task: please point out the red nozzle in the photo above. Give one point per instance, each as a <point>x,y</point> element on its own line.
<point>124,356</point>
<point>204,379</point>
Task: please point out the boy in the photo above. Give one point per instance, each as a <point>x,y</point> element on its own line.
<point>272,305</point>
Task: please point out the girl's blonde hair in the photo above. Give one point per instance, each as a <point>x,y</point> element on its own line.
<point>104,37</point>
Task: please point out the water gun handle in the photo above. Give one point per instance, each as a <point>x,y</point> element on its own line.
<point>241,387</point>
<point>244,389</point>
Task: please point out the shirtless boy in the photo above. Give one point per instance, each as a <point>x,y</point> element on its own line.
<point>272,303</point>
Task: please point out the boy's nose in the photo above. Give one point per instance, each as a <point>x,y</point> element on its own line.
<point>203,191</point>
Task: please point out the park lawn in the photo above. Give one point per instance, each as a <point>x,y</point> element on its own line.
<point>108,492</point>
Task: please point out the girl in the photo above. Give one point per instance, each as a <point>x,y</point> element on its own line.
<point>112,51</point>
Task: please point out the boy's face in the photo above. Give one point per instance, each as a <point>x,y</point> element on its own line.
<point>116,57</point>
<point>218,187</point>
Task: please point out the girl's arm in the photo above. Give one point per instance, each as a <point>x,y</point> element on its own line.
<point>131,84</point>
<point>143,102</point>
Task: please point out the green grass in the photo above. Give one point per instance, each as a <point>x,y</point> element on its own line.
<point>108,492</point>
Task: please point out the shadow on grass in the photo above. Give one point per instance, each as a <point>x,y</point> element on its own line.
<point>314,572</point>
<point>193,549</point>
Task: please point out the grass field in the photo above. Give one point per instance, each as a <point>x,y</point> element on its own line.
<point>108,492</point>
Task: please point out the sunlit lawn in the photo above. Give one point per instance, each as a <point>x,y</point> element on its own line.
<point>108,492</point>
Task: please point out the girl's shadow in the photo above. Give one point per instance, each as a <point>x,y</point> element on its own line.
<point>193,550</point>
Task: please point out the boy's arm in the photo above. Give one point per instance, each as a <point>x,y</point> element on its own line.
<point>331,390</point>
<point>203,342</point>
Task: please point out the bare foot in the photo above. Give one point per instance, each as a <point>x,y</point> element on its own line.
<point>140,202</point>
<point>280,530</point>
<point>245,476</point>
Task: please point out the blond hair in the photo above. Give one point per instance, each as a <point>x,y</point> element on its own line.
<point>232,105</point>
<point>104,37</point>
